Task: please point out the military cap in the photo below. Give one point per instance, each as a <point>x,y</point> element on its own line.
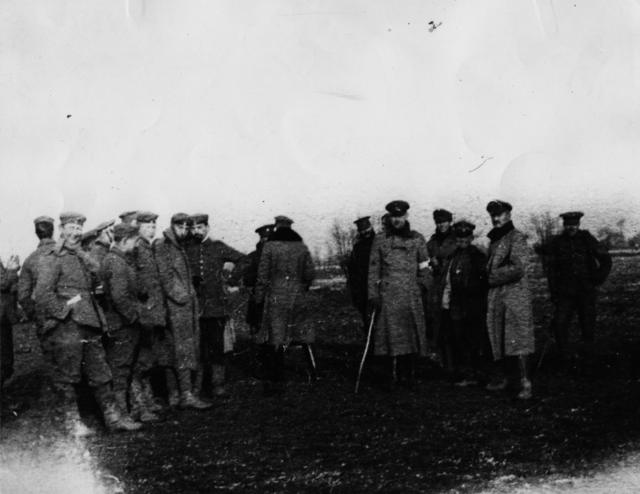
<point>71,217</point>
<point>180,218</point>
<point>283,221</point>
<point>442,215</point>
<point>265,230</point>
<point>363,223</point>
<point>463,228</point>
<point>200,218</point>
<point>128,216</point>
<point>146,217</point>
<point>104,225</point>
<point>44,219</point>
<point>124,230</point>
<point>397,208</point>
<point>496,207</point>
<point>572,217</point>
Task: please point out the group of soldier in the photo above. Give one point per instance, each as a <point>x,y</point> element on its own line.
<point>113,305</point>
<point>448,298</point>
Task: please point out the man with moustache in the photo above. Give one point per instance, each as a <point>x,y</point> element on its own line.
<point>398,267</point>
<point>207,258</point>
<point>73,324</point>
<point>182,304</point>
<point>509,311</point>
<point>358,268</point>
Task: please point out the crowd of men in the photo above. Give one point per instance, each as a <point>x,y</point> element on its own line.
<point>114,305</point>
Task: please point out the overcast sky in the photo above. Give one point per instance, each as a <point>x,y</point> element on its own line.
<point>246,109</point>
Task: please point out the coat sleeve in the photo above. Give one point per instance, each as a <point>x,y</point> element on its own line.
<point>171,287</point>
<point>116,276</point>
<point>375,269</point>
<point>264,272</point>
<point>48,304</point>
<point>515,267</point>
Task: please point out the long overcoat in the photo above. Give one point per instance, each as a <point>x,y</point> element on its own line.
<point>153,310</point>
<point>358,272</point>
<point>121,290</point>
<point>285,273</point>
<point>509,311</point>
<point>397,269</point>
<point>182,302</point>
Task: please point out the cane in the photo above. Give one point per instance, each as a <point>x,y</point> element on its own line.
<point>366,350</point>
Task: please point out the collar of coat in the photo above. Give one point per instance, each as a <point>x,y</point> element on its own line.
<point>285,235</point>
<point>404,232</point>
<point>499,232</point>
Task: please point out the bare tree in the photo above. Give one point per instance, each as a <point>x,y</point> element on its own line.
<point>544,226</point>
<point>340,244</point>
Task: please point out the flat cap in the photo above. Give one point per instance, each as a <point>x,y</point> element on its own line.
<point>496,207</point>
<point>104,225</point>
<point>397,208</point>
<point>125,230</point>
<point>128,216</point>
<point>572,217</point>
<point>146,217</point>
<point>71,217</point>
<point>363,223</point>
<point>199,218</point>
<point>44,219</point>
<point>463,228</point>
<point>283,221</point>
<point>442,215</point>
<point>265,230</point>
<point>180,218</point>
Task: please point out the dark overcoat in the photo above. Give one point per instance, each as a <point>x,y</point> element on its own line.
<point>153,310</point>
<point>121,289</point>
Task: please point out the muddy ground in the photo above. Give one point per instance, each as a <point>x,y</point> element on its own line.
<point>433,438</point>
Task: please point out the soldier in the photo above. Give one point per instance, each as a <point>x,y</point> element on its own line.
<point>285,274</point>
<point>578,265</point>
<point>182,304</point>
<point>509,312</point>
<point>358,268</point>
<point>73,324</point>
<point>128,346</point>
<point>153,311</point>
<point>8,286</point>
<point>207,258</point>
<point>397,268</point>
<point>463,299</point>
<point>440,246</point>
<point>128,217</point>
<point>103,240</point>
<point>250,278</point>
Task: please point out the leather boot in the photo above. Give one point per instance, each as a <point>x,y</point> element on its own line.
<point>120,397</point>
<point>113,419</point>
<point>525,383</point>
<point>147,393</point>
<point>187,398</point>
<point>67,410</point>
<point>139,408</point>
<point>218,379</point>
<point>173,394</point>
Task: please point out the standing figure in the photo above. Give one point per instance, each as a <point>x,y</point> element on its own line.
<point>578,265</point>
<point>207,258</point>
<point>398,265</point>
<point>285,274</point>
<point>358,268</point>
<point>72,326</point>
<point>509,311</point>
<point>182,304</point>
<point>463,302</point>
<point>8,300</point>
<point>250,278</point>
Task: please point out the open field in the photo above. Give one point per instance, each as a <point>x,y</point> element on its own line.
<point>582,423</point>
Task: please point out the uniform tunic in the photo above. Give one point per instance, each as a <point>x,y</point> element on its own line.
<point>397,267</point>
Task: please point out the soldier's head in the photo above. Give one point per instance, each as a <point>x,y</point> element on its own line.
<point>398,213</point>
<point>128,217</point>
<point>282,222</point>
<point>265,231</point>
<point>104,232</point>
<point>180,223</point>
<point>364,226</point>
<point>44,227</point>
<point>125,236</point>
<point>463,231</point>
<point>146,222</point>
<point>71,225</point>
<point>200,226</point>
<point>442,218</point>
<point>500,212</point>
<point>571,222</point>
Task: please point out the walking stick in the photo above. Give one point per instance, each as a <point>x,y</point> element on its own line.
<point>366,350</point>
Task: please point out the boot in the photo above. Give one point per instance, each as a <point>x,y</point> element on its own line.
<point>501,382</point>
<point>173,395</point>
<point>139,408</point>
<point>525,383</point>
<point>187,398</point>
<point>67,410</point>
<point>217,380</point>
<point>121,400</point>
<point>113,419</point>
<point>150,400</point>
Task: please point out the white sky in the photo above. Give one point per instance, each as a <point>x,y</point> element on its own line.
<point>246,109</point>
